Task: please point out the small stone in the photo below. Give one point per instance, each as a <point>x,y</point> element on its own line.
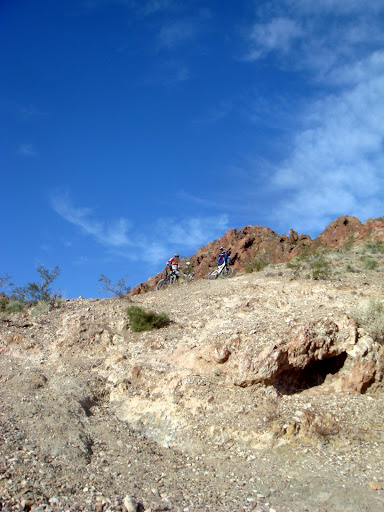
<point>130,504</point>
<point>375,486</point>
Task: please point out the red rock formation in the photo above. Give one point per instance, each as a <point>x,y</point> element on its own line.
<point>252,242</point>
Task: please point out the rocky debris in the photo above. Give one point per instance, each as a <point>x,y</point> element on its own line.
<point>262,394</point>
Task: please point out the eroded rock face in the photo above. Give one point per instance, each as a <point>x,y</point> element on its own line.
<point>322,350</point>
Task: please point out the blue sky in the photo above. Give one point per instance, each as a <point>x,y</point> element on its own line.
<point>131,130</point>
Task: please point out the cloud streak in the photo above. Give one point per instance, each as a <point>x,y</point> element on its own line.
<point>125,239</point>
<point>335,165</point>
<point>27,150</point>
<point>278,34</point>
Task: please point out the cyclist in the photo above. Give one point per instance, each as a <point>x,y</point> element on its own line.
<point>173,264</point>
<point>223,257</point>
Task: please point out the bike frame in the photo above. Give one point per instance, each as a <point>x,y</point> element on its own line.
<point>220,268</point>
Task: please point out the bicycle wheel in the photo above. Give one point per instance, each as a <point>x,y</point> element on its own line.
<point>213,274</point>
<point>227,272</point>
<point>161,284</point>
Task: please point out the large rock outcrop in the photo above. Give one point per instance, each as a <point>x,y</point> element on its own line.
<point>257,242</point>
<point>330,351</point>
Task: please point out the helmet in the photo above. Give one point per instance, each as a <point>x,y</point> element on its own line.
<point>176,256</point>
<point>222,249</point>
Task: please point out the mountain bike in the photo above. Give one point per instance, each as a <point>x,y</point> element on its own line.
<point>168,280</point>
<point>222,270</point>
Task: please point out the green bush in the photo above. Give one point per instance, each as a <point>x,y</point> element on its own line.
<point>40,308</point>
<point>319,265</point>
<point>14,306</point>
<point>369,263</point>
<point>142,320</point>
<point>316,265</point>
<point>4,301</point>
<point>371,318</point>
<point>375,247</point>
<point>297,264</point>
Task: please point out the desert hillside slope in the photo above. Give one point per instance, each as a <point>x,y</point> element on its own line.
<point>262,394</point>
<point>264,245</point>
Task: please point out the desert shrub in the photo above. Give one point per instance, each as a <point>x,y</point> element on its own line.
<point>14,306</point>
<point>316,266</point>
<point>4,281</point>
<point>39,291</point>
<point>350,268</point>
<point>319,266</point>
<point>371,318</point>
<point>4,301</point>
<point>369,263</point>
<point>375,247</point>
<point>120,289</point>
<point>142,320</point>
<point>297,264</point>
<point>349,241</point>
<point>40,308</point>
<point>256,264</point>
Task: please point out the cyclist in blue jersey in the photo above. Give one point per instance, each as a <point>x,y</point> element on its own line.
<point>223,257</point>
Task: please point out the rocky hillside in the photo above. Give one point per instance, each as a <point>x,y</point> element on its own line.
<point>260,243</point>
<point>263,394</point>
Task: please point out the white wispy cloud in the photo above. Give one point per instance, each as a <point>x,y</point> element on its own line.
<point>27,150</point>
<point>335,7</point>
<point>336,165</point>
<point>278,34</point>
<point>336,159</point>
<point>127,240</point>
<point>192,232</point>
<point>113,234</point>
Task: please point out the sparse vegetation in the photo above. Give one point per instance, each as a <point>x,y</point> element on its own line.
<point>374,247</point>
<point>40,308</point>
<point>351,268</point>
<point>120,289</point>
<point>316,265</point>
<point>34,292</point>
<point>297,264</point>
<point>14,306</point>
<point>4,281</point>
<point>256,264</point>
<point>369,263</point>
<point>348,244</point>
<point>371,318</point>
<point>142,320</point>
<point>320,267</point>
<point>4,300</point>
